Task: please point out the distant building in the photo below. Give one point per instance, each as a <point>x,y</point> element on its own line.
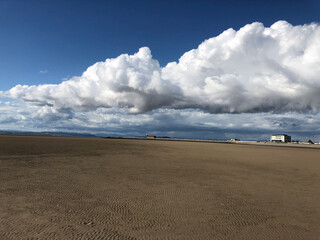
<point>280,138</point>
<point>234,139</point>
<point>150,137</point>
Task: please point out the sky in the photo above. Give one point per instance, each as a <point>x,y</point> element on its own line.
<point>191,69</point>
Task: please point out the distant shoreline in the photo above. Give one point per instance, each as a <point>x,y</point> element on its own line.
<point>256,143</point>
<point>292,145</point>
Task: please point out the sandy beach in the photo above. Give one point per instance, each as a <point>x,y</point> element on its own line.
<point>94,188</point>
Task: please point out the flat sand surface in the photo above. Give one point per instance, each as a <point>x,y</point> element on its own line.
<point>82,188</point>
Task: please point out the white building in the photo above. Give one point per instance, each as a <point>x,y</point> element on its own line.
<point>234,139</point>
<point>280,138</point>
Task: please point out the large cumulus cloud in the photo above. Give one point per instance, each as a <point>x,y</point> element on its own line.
<point>132,82</point>
<point>255,69</point>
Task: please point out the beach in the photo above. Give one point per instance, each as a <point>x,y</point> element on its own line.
<point>96,188</point>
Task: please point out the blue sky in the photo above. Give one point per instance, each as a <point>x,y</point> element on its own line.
<point>46,42</point>
<point>63,38</point>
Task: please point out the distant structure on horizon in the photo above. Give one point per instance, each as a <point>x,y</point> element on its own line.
<point>150,137</point>
<point>280,138</point>
<point>234,139</point>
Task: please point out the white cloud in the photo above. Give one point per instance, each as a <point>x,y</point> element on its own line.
<point>254,69</point>
<point>132,82</point>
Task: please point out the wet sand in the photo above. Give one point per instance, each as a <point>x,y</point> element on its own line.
<point>82,188</point>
